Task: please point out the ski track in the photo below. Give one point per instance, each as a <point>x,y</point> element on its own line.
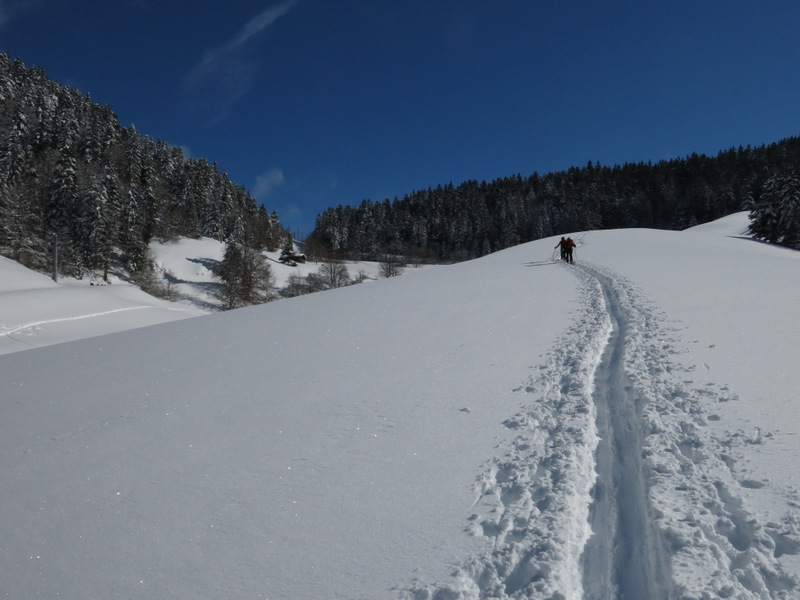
<point>624,533</point>
<point>20,328</point>
<point>614,487</point>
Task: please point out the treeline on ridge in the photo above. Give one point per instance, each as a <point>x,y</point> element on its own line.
<point>473,219</point>
<point>71,176</point>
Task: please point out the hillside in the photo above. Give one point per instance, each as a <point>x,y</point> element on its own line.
<point>508,427</point>
<point>75,182</point>
<point>38,312</point>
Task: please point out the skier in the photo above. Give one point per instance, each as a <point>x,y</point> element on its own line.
<point>569,245</point>
<point>563,245</point>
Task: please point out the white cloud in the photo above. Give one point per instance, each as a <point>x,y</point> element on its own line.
<point>260,22</point>
<point>267,182</point>
<point>225,74</point>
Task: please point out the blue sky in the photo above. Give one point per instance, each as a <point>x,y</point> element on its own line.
<point>316,103</point>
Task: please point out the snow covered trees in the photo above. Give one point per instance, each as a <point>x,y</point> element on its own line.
<point>72,175</point>
<point>776,216</point>
<point>475,218</point>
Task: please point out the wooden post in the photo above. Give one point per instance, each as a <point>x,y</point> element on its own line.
<point>55,259</point>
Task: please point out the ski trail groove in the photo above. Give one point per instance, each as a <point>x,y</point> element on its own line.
<point>696,537</point>
<point>621,516</point>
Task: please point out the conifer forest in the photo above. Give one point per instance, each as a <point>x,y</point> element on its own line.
<point>72,179</point>
<point>456,222</point>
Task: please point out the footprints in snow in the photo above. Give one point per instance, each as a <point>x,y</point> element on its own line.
<point>717,547</point>
<point>525,500</point>
<point>531,502</point>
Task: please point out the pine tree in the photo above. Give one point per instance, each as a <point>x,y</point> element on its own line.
<point>246,275</point>
<point>97,222</point>
<point>61,211</point>
<point>13,151</point>
<point>789,211</point>
<point>131,239</point>
<point>776,217</point>
<point>61,214</point>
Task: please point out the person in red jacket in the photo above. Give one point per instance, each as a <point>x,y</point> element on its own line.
<point>569,245</point>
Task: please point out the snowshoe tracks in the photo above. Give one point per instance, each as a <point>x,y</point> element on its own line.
<point>533,501</point>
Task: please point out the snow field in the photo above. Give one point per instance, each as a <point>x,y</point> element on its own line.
<point>669,499</point>
<point>704,525</point>
<point>504,428</point>
<point>320,447</point>
<point>533,499</point>
<point>35,311</point>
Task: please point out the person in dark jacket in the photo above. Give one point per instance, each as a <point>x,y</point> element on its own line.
<point>563,245</point>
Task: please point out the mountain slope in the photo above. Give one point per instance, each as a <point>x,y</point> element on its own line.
<point>35,311</point>
<point>435,435</point>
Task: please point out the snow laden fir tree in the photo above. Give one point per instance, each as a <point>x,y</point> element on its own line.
<point>776,217</point>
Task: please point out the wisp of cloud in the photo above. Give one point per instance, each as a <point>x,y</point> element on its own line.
<point>267,182</point>
<point>260,22</point>
<point>225,74</point>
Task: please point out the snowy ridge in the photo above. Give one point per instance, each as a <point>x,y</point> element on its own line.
<point>533,499</point>
<point>717,548</point>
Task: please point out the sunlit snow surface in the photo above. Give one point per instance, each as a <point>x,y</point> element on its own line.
<point>35,311</point>
<point>436,435</point>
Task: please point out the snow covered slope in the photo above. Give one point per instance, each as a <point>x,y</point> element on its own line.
<point>504,428</point>
<point>35,311</point>
<point>188,264</point>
